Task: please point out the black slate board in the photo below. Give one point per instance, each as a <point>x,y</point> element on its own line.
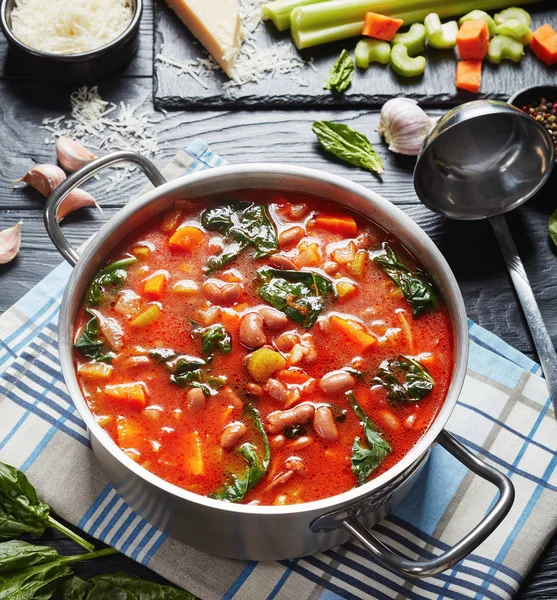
<point>369,88</point>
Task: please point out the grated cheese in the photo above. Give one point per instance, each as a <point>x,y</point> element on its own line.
<point>104,126</point>
<point>253,62</point>
<point>70,26</point>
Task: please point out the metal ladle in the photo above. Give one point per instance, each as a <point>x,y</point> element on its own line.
<point>481,160</point>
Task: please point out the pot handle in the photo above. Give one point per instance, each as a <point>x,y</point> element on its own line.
<point>427,568</point>
<point>54,200</point>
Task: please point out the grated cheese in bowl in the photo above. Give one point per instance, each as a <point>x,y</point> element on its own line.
<point>70,26</point>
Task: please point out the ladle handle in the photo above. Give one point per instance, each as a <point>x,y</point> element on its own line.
<point>542,340</point>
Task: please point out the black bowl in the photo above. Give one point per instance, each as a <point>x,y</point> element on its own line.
<point>532,94</point>
<point>76,68</point>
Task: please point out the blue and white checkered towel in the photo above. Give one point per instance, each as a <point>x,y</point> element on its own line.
<point>504,414</point>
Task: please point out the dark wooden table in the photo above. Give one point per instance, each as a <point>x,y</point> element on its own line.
<point>279,136</point>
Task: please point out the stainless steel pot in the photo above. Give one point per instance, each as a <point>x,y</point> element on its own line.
<point>271,532</point>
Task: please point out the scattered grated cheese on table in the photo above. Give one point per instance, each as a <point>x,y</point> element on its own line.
<point>70,26</point>
<point>106,127</point>
<point>253,63</point>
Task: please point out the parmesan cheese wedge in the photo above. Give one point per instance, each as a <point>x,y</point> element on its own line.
<point>216,24</point>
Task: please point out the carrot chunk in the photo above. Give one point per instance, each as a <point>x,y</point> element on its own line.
<point>469,75</point>
<point>472,40</point>
<point>381,27</point>
<point>186,238</point>
<point>131,394</point>
<point>544,44</point>
<point>195,459</point>
<point>154,285</point>
<point>342,224</point>
<point>293,377</point>
<point>353,331</point>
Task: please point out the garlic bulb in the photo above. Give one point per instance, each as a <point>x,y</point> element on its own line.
<point>404,125</point>
<point>75,200</point>
<point>10,241</point>
<point>72,155</point>
<point>44,178</point>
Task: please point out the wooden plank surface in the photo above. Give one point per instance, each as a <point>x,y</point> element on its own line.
<point>281,136</point>
<point>305,87</point>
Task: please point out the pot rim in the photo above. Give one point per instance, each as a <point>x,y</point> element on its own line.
<point>414,231</point>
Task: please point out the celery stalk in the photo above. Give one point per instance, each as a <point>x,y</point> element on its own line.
<point>279,11</point>
<point>323,23</point>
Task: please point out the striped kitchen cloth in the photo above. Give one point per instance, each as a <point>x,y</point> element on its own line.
<point>504,415</point>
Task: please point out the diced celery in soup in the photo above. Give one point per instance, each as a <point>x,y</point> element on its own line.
<point>268,348</point>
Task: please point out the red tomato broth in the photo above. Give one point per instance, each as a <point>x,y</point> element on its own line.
<point>167,440</point>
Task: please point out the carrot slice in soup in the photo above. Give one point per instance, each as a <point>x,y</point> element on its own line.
<point>342,224</point>
<point>154,285</point>
<point>131,394</point>
<point>186,238</point>
<point>353,331</point>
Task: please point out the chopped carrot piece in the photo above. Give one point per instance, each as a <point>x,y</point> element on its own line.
<point>293,377</point>
<point>469,75</point>
<point>353,331</point>
<point>95,370</point>
<point>130,436</point>
<point>381,27</point>
<point>154,285</point>
<point>308,256</point>
<point>186,238</point>
<point>133,394</point>
<point>544,44</point>
<point>342,224</point>
<point>147,316</point>
<point>472,40</point>
<point>231,321</point>
<point>195,459</point>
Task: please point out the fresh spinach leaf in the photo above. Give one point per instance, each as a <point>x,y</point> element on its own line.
<point>21,511</point>
<point>119,586</point>
<point>552,227</point>
<point>244,224</point>
<point>405,379</point>
<point>256,468</point>
<point>348,144</point>
<point>300,295</point>
<point>111,277</point>
<point>366,457</point>
<point>214,337</point>
<point>340,77</point>
<point>91,344</point>
<point>415,285</point>
<point>29,572</point>
<point>188,371</point>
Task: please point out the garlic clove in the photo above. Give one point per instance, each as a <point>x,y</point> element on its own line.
<point>10,241</point>
<point>44,178</point>
<point>404,125</point>
<point>72,155</point>
<point>75,200</point>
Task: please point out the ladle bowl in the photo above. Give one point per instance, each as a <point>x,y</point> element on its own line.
<point>481,160</point>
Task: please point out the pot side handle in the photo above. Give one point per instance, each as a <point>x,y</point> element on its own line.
<point>54,200</point>
<point>434,566</point>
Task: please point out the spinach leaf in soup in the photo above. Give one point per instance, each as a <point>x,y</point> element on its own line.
<point>414,284</point>
<point>405,379</point>
<point>366,456</point>
<point>109,279</point>
<point>22,512</point>
<point>340,77</point>
<point>215,337</point>
<point>300,295</point>
<point>188,371</point>
<point>256,468</point>
<point>243,224</point>
<point>119,586</point>
<point>91,343</point>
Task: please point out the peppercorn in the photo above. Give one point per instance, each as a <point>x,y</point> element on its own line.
<point>545,113</point>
